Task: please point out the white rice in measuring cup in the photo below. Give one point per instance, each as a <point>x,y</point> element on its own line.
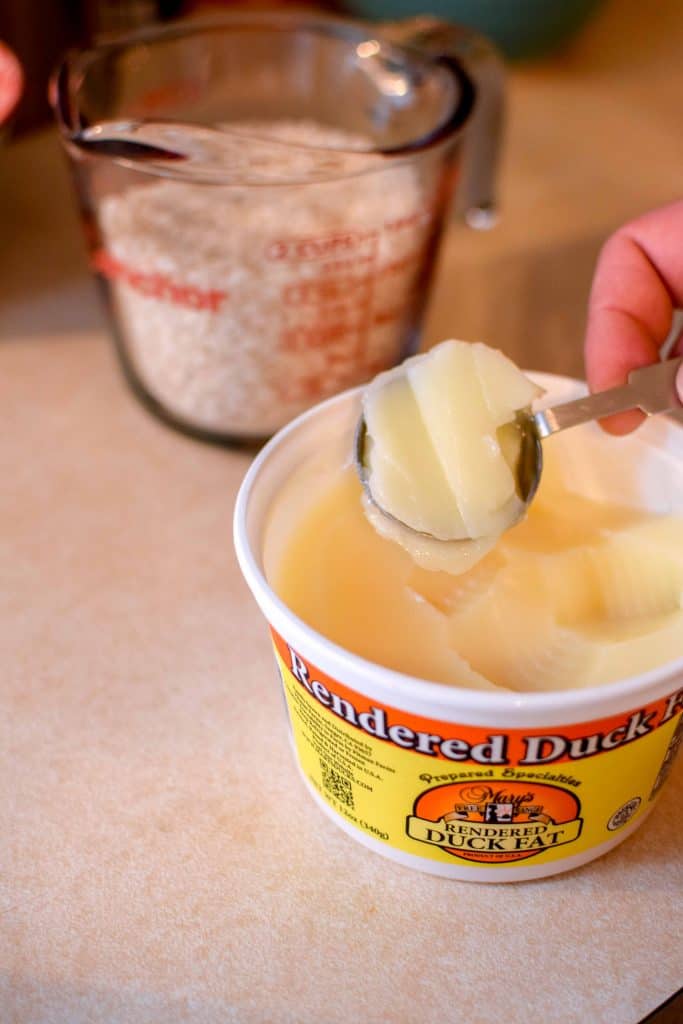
<point>238,307</point>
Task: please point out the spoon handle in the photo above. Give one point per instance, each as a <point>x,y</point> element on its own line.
<point>651,389</point>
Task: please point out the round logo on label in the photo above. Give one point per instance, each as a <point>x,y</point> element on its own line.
<point>624,814</point>
<point>496,822</point>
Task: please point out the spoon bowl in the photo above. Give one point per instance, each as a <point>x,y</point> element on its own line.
<point>652,389</point>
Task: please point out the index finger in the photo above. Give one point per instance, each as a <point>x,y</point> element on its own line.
<point>636,287</point>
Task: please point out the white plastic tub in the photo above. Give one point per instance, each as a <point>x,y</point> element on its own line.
<point>471,785</point>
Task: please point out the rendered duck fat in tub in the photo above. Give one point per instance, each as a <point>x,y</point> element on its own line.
<point>522,754</point>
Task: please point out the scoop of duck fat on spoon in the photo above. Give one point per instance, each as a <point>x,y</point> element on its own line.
<point>449,452</point>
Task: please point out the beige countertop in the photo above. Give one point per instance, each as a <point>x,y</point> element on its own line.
<point>160,860</point>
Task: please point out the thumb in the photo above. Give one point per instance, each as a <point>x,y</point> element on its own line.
<point>679,383</point>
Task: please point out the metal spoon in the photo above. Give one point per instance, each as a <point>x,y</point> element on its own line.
<point>219,154</point>
<point>652,389</point>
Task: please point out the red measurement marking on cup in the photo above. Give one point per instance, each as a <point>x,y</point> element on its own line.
<point>357,264</point>
<point>307,248</point>
<point>329,313</point>
<point>158,286</point>
<point>334,319</point>
<point>334,314</point>
<point>317,336</point>
<point>388,316</point>
<point>415,219</point>
<point>323,291</point>
<point>339,353</point>
<point>165,97</point>
<point>335,376</point>
<point>318,323</point>
<point>411,261</point>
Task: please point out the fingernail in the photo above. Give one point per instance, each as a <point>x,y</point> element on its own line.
<point>679,382</point>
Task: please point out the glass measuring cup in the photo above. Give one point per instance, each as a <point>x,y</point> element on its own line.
<point>263,197</point>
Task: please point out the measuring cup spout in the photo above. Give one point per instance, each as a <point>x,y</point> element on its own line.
<point>476,198</point>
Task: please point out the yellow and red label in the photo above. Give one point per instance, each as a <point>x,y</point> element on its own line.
<point>488,797</point>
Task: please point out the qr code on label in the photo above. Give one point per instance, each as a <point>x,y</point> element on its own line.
<point>336,785</point>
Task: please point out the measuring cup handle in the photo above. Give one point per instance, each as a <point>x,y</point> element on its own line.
<point>478,57</point>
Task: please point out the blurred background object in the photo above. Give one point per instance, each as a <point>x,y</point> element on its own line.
<point>11,85</point>
<point>61,25</point>
<point>521,28</point>
<point>39,32</point>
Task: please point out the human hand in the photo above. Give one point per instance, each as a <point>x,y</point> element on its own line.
<point>637,285</point>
